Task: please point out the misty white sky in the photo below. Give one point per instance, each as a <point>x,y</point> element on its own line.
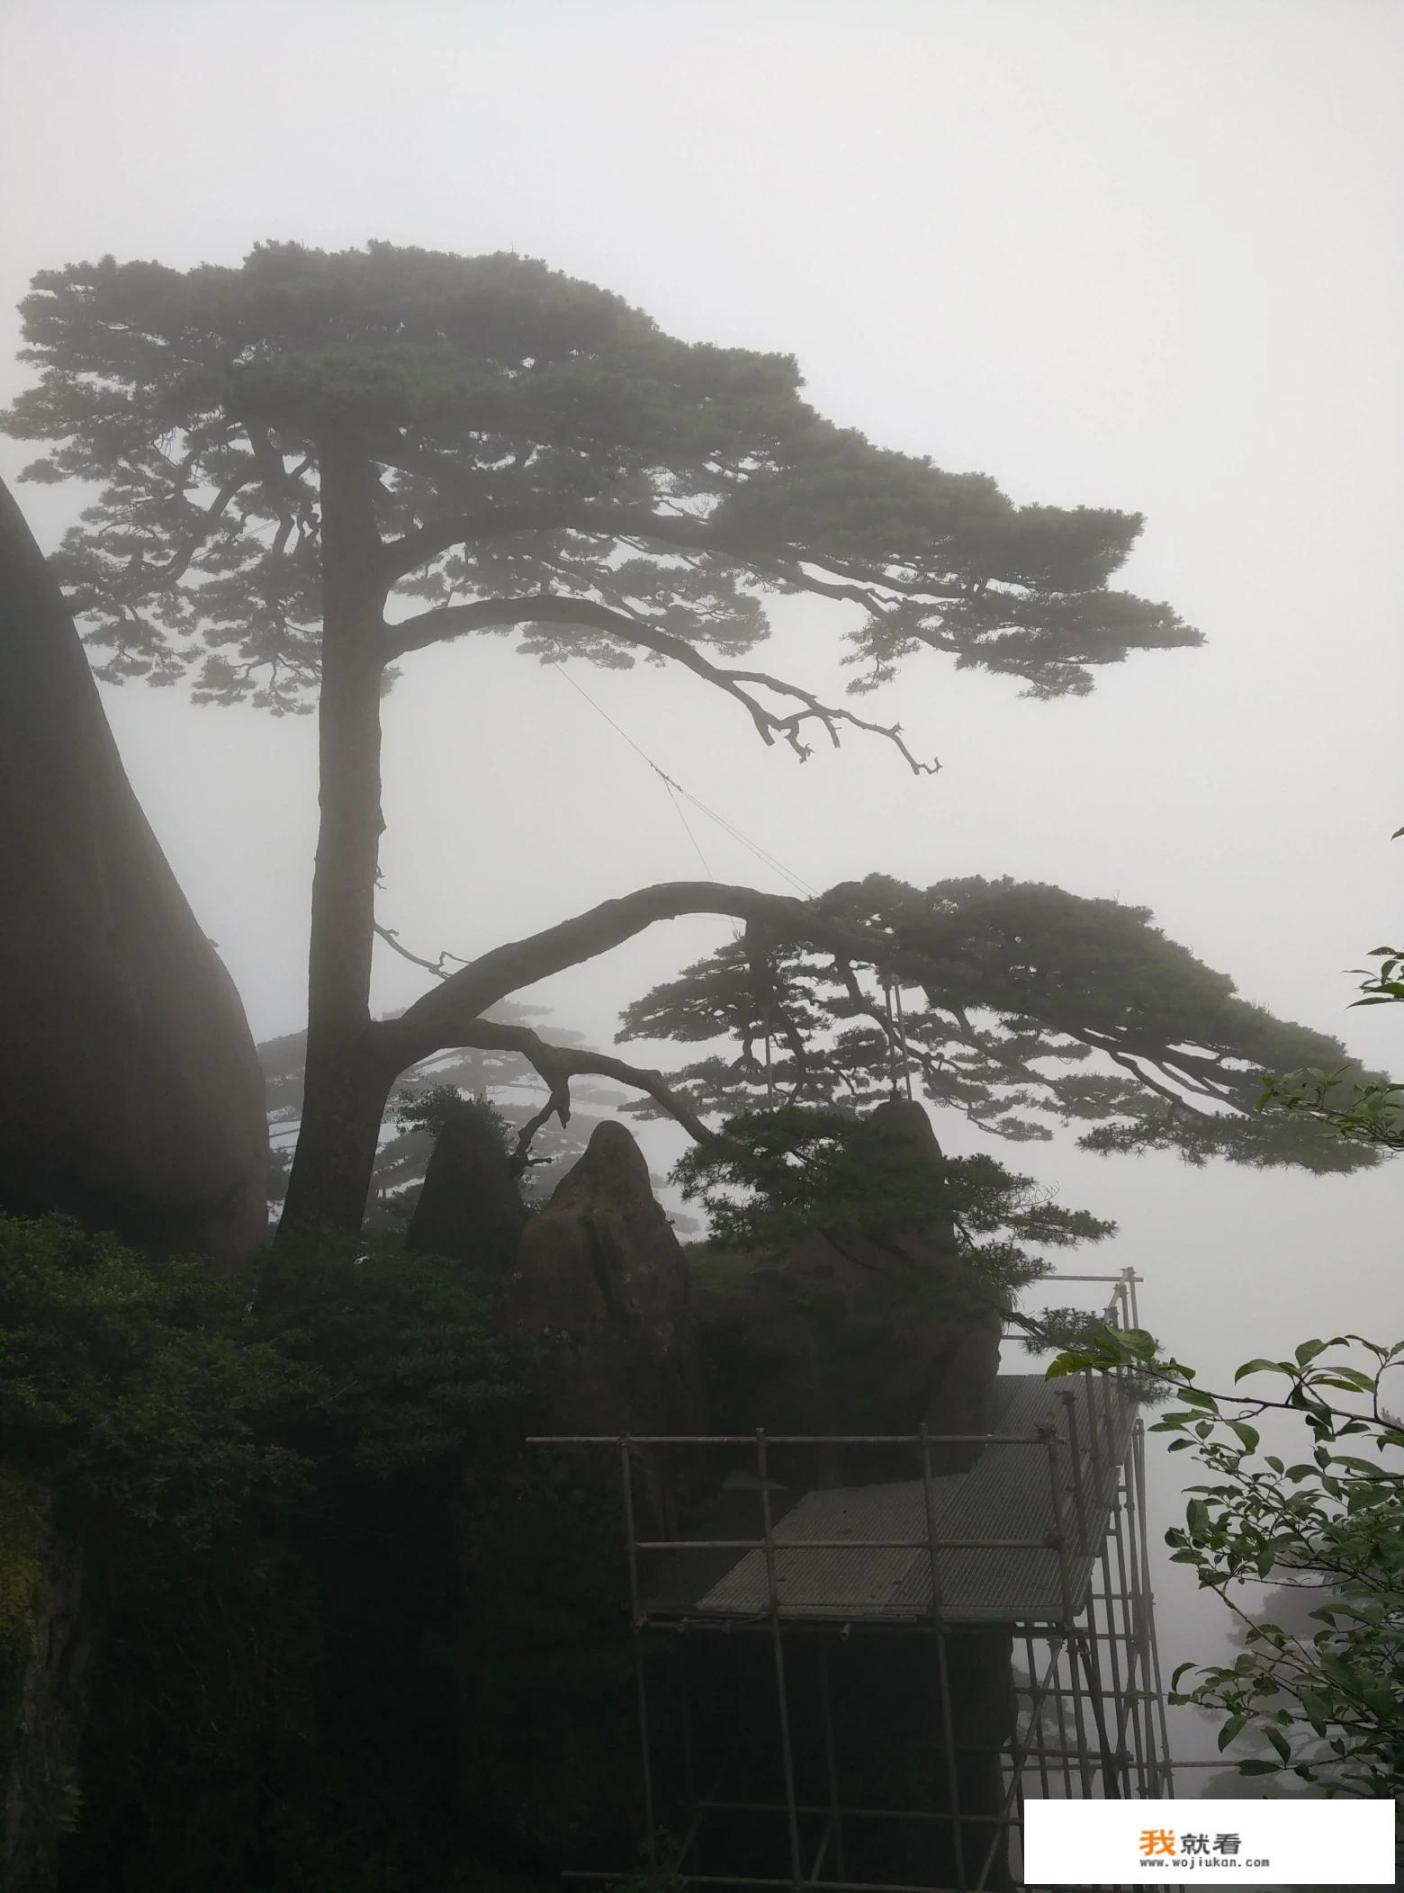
<point>1137,255</point>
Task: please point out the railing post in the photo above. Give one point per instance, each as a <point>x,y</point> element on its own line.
<point>1139,1452</point>
<point>1069,1400</point>
<point>636,1615</point>
<point>778,1646</point>
<point>1060,1542</point>
<point>831,1759</point>
<point>943,1667</point>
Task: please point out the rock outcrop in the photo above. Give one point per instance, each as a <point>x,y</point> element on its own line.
<point>132,1095</point>
<point>469,1208</point>
<point>855,1333</point>
<point>602,1283</point>
<point>601,1292</point>
<point>132,1100</point>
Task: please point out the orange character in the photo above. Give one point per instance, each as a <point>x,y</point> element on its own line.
<point>1157,1840</point>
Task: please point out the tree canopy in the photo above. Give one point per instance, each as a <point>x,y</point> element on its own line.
<point>535,440</point>
<point>314,465</point>
<point>1015,1003</point>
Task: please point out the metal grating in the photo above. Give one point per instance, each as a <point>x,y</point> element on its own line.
<point>833,1580</point>
<point>1011,1504</point>
<point>1060,1468</point>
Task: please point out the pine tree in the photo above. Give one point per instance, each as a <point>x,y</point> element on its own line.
<point>312,467</point>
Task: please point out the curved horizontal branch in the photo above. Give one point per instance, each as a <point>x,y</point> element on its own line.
<point>450,1015</point>
<point>457,1003</point>
<point>494,614</point>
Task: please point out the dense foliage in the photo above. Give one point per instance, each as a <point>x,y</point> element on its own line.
<point>771,1176</point>
<point>264,1496</point>
<point>1017,1004</point>
<point>523,424</point>
<point>135,1388</point>
<point>1328,1702</point>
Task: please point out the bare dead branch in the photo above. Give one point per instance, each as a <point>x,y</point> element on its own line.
<point>452,621</point>
<point>557,1105</point>
<point>437,967</point>
<point>558,1064</point>
<point>831,717</point>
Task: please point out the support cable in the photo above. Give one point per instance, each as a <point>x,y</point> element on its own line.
<point>675,790</point>
<point>677,794</point>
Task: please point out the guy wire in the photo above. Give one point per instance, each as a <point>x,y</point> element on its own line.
<point>675,789</point>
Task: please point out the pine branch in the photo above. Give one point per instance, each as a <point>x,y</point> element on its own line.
<point>446,622</point>
<point>556,1065</point>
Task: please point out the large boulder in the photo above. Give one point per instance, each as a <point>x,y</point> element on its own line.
<point>132,1096</point>
<point>470,1208</point>
<point>601,1281</point>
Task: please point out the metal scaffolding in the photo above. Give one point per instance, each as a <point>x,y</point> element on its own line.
<point>1019,1555</point>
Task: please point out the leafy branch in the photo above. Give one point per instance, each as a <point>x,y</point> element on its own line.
<point>1328,1704</point>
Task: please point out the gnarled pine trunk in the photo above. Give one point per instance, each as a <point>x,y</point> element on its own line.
<point>347,1082</point>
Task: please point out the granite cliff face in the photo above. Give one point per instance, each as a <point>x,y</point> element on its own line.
<point>132,1098</point>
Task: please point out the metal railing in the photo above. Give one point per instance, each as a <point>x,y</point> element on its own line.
<point>1091,1715</point>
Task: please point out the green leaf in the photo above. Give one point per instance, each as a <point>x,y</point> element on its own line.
<point>1261,1366</point>
<point>1346,1379</point>
<point>1063,1364</point>
<point>1233,1727</point>
<point>1192,1397</point>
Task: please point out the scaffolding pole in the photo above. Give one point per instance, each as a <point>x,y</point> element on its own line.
<point>1088,1722</point>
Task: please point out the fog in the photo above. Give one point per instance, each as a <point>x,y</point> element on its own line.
<point>1132,256</point>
